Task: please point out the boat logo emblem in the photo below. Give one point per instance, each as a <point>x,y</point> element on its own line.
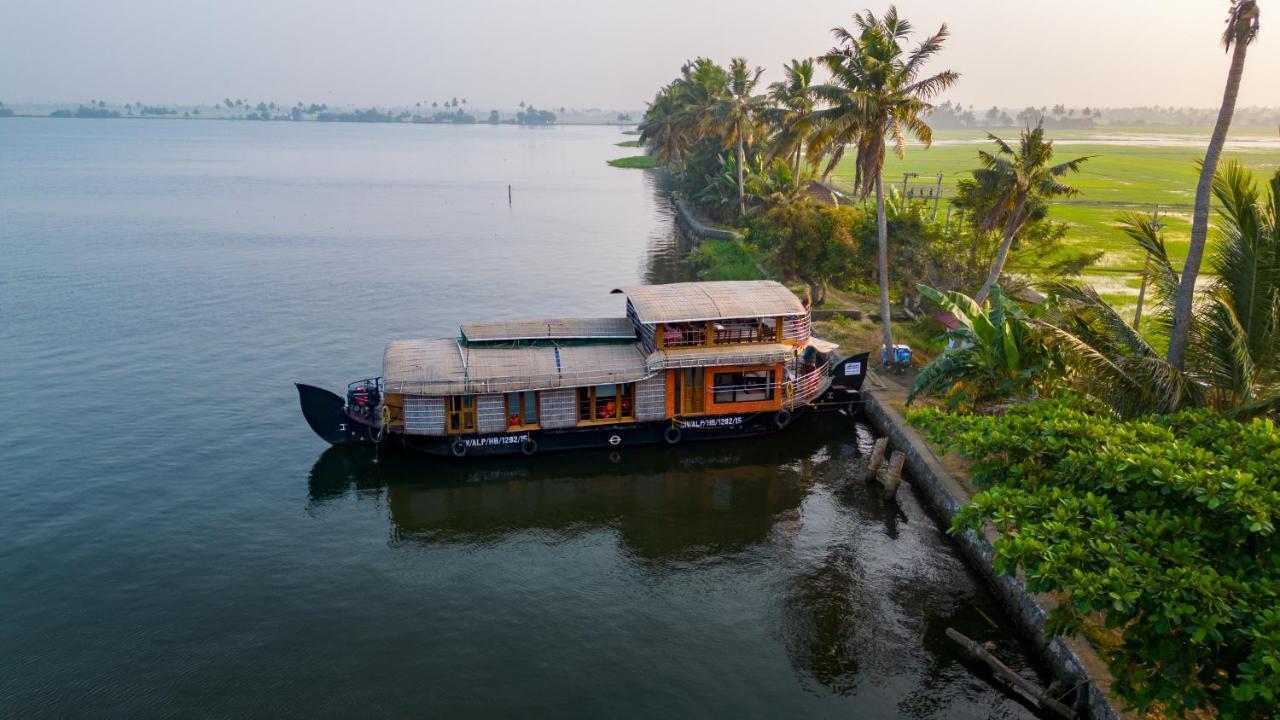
<point>614,440</point>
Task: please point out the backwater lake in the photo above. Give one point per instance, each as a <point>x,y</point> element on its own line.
<point>175,542</point>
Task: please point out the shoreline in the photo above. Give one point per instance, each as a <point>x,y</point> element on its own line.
<point>273,121</point>
<point>942,487</point>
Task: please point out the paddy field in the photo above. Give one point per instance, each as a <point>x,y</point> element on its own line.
<point>1131,169</point>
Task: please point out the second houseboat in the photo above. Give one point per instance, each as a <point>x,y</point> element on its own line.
<point>689,361</point>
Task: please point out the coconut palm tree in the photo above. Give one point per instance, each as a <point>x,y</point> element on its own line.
<point>1016,181</point>
<point>676,119</point>
<point>735,117</point>
<point>1233,358</point>
<point>793,101</point>
<point>1242,29</point>
<point>877,92</point>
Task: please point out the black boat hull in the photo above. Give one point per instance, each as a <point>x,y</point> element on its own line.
<point>326,414</point>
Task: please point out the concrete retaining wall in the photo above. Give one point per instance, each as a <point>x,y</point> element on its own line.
<point>1073,660</point>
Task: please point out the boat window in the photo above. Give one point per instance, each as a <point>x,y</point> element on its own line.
<point>743,386</point>
<point>460,411</point>
<point>606,403</point>
<point>522,409</point>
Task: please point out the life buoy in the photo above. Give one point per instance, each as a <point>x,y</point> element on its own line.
<point>782,419</point>
<point>529,446</point>
<point>386,415</point>
<point>671,434</point>
<point>458,448</point>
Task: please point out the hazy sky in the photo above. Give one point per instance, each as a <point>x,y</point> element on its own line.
<point>598,53</point>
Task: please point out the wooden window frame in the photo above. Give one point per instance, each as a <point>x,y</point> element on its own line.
<point>630,394</point>
<point>711,407</point>
<point>522,412</point>
<point>462,414</point>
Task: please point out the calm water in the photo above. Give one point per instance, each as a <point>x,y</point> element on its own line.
<point>175,542</point>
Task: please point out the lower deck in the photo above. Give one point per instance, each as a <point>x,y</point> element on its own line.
<point>685,394</point>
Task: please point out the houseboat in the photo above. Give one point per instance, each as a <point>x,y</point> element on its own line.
<point>688,362</point>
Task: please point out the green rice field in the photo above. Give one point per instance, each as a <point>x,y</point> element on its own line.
<point>1132,170</point>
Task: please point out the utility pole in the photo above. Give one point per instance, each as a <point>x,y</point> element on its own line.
<point>1142,289</point>
<point>905,176</point>
<point>937,197</point>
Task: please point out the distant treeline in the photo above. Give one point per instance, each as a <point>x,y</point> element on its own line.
<point>956,115</point>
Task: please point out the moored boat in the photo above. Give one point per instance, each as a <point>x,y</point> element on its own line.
<point>688,362</point>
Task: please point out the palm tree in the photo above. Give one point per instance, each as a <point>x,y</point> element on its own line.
<point>1237,329</point>
<point>876,92</point>
<point>676,119</point>
<point>1242,29</point>
<point>1016,181</point>
<point>736,117</point>
<point>793,101</point>
<point>1233,359</point>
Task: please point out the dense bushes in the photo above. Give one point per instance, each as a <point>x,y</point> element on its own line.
<point>813,243</point>
<point>1163,526</point>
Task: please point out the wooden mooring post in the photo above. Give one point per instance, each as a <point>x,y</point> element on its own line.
<point>893,474</point>
<point>1005,673</point>
<point>877,458</point>
<point>889,475</point>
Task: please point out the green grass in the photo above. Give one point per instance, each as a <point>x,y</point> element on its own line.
<point>1119,178</point>
<point>630,144</point>
<point>724,260</point>
<point>642,162</point>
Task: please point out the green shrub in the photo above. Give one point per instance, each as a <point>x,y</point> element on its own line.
<point>1164,525</point>
<point>810,242</point>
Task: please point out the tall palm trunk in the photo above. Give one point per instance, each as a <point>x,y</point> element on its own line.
<point>882,236</point>
<point>1181,329</point>
<point>742,201</point>
<point>997,265</point>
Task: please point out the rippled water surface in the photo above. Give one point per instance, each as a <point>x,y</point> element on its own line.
<point>175,542</point>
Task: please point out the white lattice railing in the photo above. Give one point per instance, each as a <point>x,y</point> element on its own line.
<point>805,388</point>
<point>797,329</point>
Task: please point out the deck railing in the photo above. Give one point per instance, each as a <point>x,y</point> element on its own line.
<point>808,386</point>
<point>796,329</point>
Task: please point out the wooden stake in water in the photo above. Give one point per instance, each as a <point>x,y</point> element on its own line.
<point>877,458</point>
<point>508,196</point>
<point>893,474</point>
<point>1005,673</point>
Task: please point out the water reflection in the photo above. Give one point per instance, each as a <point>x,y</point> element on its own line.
<point>667,257</point>
<point>687,503</point>
<point>855,592</point>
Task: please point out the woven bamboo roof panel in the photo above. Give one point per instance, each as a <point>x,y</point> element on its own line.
<point>440,366</point>
<point>550,329</point>
<point>761,354</point>
<point>701,301</point>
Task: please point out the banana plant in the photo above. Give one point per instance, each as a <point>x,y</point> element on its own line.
<point>995,352</point>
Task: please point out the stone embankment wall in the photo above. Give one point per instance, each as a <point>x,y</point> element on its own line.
<point>699,228</point>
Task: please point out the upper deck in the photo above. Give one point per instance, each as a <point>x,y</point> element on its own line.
<point>714,314</point>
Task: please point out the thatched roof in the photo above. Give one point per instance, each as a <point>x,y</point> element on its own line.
<point>551,329</point>
<point>701,301</point>
<point>441,366</point>
<point>750,354</point>
<point>820,194</point>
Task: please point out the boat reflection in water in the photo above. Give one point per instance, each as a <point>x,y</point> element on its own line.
<point>738,558</point>
<point>665,503</point>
